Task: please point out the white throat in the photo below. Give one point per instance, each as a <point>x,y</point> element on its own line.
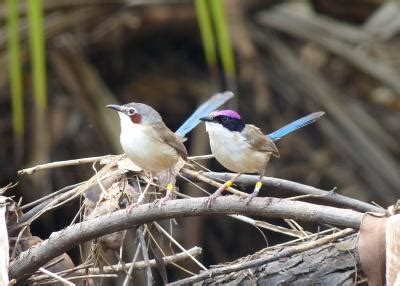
<point>142,145</point>
<point>126,123</point>
<point>232,150</point>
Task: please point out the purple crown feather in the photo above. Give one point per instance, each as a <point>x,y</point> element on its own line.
<point>226,112</point>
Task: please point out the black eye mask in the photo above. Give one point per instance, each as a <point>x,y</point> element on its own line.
<point>232,124</point>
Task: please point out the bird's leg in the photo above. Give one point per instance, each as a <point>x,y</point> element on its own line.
<point>219,191</point>
<point>257,188</point>
<point>141,197</point>
<point>167,196</point>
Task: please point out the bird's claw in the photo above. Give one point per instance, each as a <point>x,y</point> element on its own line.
<point>131,207</point>
<point>254,193</point>
<point>158,202</point>
<point>211,199</point>
<point>161,202</point>
<point>247,199</point>
<point>214,196</point>
<point>332,192</point>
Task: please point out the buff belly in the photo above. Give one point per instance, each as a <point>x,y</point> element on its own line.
<point>146,151</point>
<point>234,153</point>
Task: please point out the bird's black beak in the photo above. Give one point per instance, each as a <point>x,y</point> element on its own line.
<point>115,107</point>
<point>207,118</point>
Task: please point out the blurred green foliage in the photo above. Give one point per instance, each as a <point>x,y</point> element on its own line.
<point>14,67</point>
<point>206,30</point>
<point>38,64</point>
<point>37,51</point>
<point>215,33</point>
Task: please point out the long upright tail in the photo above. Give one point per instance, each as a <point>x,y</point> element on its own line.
<point>299,123</point>
<point>203,110</point>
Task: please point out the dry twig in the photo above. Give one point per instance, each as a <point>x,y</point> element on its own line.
<point>55,276</point>
<point>139,265</point>
<point>325,196</point>
<point>145,254</point>
<point>62,241</point>
<point>59,164</point>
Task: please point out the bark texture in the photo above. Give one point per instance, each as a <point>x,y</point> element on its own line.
<point>331,264</point>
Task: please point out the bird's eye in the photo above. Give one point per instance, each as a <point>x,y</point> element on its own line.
<point>224,118</point>
<point>131,111</point>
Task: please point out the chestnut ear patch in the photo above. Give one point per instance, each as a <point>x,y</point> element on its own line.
<point>136,118</point>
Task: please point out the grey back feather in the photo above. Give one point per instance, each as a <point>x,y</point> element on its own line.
<point>258,141</point>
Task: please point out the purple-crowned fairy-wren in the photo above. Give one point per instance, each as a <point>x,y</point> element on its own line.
<point>243,148</point>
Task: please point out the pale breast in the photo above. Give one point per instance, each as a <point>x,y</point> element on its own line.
<point>142,147</point>
<point>234,153</point>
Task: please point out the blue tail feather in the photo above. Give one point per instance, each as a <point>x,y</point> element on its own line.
<point>299,123</point>
<point>203,110</point>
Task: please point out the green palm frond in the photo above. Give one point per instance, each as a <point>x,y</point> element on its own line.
<point>215,34</point>
<point>223,38</point>
<point>206,31</point>
<point>37,49</point>
<point>14,67</point>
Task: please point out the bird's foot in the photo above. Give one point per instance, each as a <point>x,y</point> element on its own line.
<point>254,193</point>
<point>249,198</point>
<point>212,198</point>
<point>131,207</point>
<point>161,202</point>
<point>332,192</point>
<point>217,193</point>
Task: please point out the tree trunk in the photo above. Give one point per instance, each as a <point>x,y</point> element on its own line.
<point>331,264</point>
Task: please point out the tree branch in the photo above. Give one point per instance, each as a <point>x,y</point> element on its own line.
<point>61,241</point>
<point>264,260</point>
<point>321,195</point>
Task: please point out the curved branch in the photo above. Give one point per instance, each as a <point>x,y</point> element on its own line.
<point>61,241</point>
<point>322,195</point>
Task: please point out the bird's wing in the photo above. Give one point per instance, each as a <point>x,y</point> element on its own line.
<point>299,123</point>
<point>258,141</point>
<point>203,110</point>
<point>167,136</point>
